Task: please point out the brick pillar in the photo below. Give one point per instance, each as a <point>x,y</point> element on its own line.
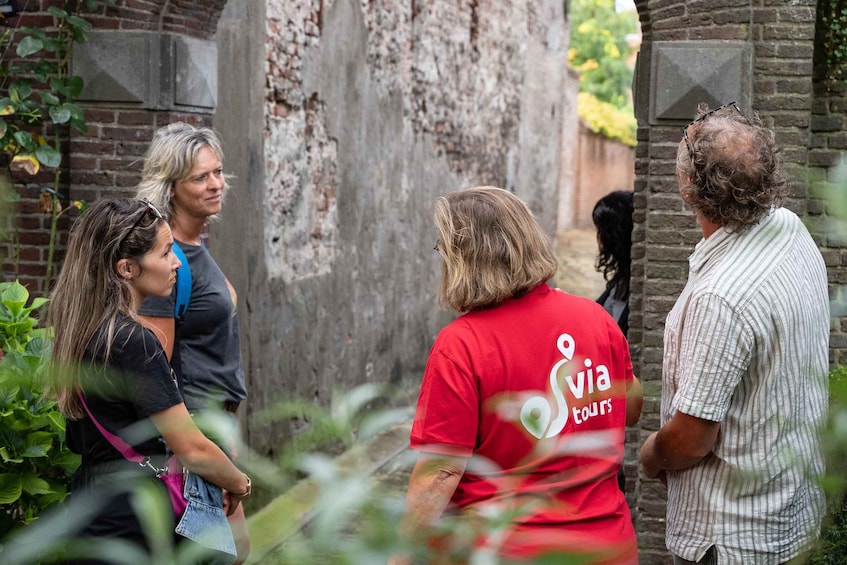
<point>716,52</point>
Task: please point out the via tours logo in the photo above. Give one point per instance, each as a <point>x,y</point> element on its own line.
<point>537,412</point>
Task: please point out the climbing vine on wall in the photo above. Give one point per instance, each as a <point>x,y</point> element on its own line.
<point>832,34</point>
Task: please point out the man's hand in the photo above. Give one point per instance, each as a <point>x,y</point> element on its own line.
<point>681,443</point>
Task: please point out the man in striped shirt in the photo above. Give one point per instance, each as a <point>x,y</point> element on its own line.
<point>746,360</point>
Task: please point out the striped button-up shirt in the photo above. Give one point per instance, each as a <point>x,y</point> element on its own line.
<point>746,345</point>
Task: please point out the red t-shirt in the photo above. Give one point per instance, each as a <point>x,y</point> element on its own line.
<point>534,390</point>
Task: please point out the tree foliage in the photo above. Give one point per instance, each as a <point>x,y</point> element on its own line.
<point>600,52</point>
<point>605,119</point>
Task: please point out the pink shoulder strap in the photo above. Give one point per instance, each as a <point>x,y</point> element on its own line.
<point>125,449</point>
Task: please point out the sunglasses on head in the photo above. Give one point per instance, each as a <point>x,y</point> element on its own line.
<point>148,208</point>
<point>732,104</point>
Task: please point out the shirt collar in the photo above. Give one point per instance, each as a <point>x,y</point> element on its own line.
<point>707,247</point>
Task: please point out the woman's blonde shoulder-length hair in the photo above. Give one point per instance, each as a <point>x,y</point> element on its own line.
<point>492,246</point>
<point>170,159</point>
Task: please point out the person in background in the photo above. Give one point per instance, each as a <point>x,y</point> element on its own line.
<point>612,216</point>
<point>746,358</point>
<point>119,252</point>
<point>523,402</point>
<point>183,176</point>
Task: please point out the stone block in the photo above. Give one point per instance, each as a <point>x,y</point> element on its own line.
<point>148,70</point>
<point>115,67</point>
<point>195,75</point>
<point>685,74</point>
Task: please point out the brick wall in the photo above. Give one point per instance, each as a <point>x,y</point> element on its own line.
<point>602,165</point>
<point>807,119</point>
<point>106,159</point>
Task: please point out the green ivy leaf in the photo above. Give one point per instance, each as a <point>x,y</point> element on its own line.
<point>75,110</point>
<point>20,91</point>
<point>10,488</point>
<point>52,45</point>
<point>33,31</point>
<point>60,114</point>
<point>49,98</point>
<point>74,86</point>
<point>57,12</point>
<point>79,125</point>
<point>81,23</point>
<point>25,140</point>
<point>3,127</point>
<point>28,46</point>
<point>48,156</point>
<point>42,71</point>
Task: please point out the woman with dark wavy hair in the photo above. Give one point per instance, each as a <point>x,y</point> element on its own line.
<point>612,216</point>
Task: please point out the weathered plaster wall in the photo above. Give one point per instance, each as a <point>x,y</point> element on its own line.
<point>357,116</point>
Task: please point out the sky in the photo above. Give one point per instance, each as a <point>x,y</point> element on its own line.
<point>624,5</point>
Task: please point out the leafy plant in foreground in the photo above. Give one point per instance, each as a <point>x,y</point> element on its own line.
<point>35,464</point>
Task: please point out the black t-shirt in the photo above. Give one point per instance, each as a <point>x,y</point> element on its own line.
<point>210,368</point>
<point>122,392</point>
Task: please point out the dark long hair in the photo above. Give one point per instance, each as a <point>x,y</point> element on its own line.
<point>612,216</point>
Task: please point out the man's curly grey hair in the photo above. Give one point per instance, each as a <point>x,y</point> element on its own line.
<point>730,170</point>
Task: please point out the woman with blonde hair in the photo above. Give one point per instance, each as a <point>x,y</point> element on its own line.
<point>521,414</point>
<point>110,375</point>
<point>183,175</point>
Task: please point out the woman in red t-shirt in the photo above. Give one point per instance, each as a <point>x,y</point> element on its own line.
<point>524,400</point>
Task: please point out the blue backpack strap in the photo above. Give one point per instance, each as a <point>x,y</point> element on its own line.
<point>183,284</point>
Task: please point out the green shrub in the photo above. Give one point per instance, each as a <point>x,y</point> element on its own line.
<point>603,118</point>
<point>35,464</point>
<point>832,549</point>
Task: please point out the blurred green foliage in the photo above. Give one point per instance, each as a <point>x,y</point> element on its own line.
<point>832,549</point>
<point>35,464</point>
<point>600,52</point>
<point>605,119</point>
